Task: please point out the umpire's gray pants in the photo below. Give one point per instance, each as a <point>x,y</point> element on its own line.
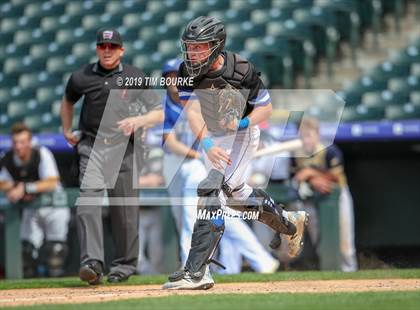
<point>97,164</point>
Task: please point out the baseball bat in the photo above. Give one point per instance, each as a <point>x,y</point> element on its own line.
<point>287,146</point>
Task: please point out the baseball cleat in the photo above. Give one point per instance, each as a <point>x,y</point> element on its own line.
<point>273,268</point>
<point>91,272</point>
<point>188,283</point>
<point>295,241</point>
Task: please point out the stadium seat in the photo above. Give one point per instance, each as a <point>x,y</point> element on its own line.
<point>69,21</point>
<point>321,24</point>
<point>146,19</point>
<point>235,44</point>
<point>299,38</point>
<point>72,36</point>
<point>51,49</point>
<point>49,23</point>
<point>415,97</point>
<point>400,112</point>
<point>144,47</point>
<point>83,50</point>
<point>388,70</point>
<point>9,25</point>
<point>274,14</point>
<point>245,30</point>
<point>169,48</point>
<point>177,18</point>
<point>92,23</point>
<point>5,124</point>
<point>167,5</point>
<point>168,32</point>
<point>407,84</point>
<point>208,5</point>
<point>123,7</point>
<point>407,56</point>
<point>384,98</point>
<point>37,80</point>
<point>23,37</point>
<point>270,55</point>
<point>9,80</point>
<point>26,64</point>
<point>17,93</point>
<point>55,108</point>
<point>6,38</point>
<point>29,22</point>
<point>362,113</point>
<point>12,50</point>
<point>5,96</point>
<point>48,8</point>
<point>46,96</point>
<point>62,64</point>
<point>232,16</point>
<point>12,10</point>
<point>415,69</point>
<point>85,7</point>
<point>148,63</point>
<point>250,4</point>
<point>17,109</point>
<point>128,34</point>
<point>39,121</point>
<point>344,11</point>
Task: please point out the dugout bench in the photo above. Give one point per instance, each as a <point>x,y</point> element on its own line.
<point>328,214</point>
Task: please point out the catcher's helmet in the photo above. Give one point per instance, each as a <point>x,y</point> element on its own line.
<point>203,29</point>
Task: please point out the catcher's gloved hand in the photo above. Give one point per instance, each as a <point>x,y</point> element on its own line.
<point>232,106</point>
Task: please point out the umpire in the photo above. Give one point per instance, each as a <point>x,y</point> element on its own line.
<point>99,147</point>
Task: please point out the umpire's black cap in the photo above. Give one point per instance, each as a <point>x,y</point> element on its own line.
<point>108,35</point>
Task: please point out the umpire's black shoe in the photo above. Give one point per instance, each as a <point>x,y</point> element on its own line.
<point>117,278</point>
<point>92,272</point>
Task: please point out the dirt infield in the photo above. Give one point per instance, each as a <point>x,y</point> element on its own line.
<point>107,293</point>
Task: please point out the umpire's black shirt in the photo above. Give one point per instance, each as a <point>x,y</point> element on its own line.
<point>95,83</point>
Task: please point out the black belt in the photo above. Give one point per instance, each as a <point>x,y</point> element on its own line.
<point>110,140</point>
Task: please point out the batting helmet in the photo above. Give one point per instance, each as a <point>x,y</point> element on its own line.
<point>203,29</point>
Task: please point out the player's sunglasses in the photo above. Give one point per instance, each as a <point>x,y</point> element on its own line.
<point>109,45</point>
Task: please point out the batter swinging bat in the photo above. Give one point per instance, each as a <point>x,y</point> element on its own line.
<point>287,146</point>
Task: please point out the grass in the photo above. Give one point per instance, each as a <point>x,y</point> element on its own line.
<point>368,300</point>
<point>244,277</point>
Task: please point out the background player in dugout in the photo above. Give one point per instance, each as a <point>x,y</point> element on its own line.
<point>318,174</point>
<point>229,136</point>
<point>26,171</point>
<point>113,141</point>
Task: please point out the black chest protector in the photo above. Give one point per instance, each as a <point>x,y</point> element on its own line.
<point>236,73</point>
<point>28,171</point>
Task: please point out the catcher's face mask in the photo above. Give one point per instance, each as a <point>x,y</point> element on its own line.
<point>199,56</point>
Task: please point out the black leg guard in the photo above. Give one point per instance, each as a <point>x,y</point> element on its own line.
<point>28,257</point>
<point>53,255</point>
<point>269,213</point>
<point>205,239</point>
<point>207,232</point>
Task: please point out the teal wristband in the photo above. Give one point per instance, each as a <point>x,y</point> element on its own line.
<point>243,123</point>
<point>207,144</point>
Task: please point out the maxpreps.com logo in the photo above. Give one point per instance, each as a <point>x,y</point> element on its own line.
<point>107,35</point>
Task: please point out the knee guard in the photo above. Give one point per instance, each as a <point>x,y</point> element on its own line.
<point>53,256</point>
<point>29,259</point>
<point>208,231</point>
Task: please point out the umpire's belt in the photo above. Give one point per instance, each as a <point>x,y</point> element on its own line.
<point>110,140</point>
